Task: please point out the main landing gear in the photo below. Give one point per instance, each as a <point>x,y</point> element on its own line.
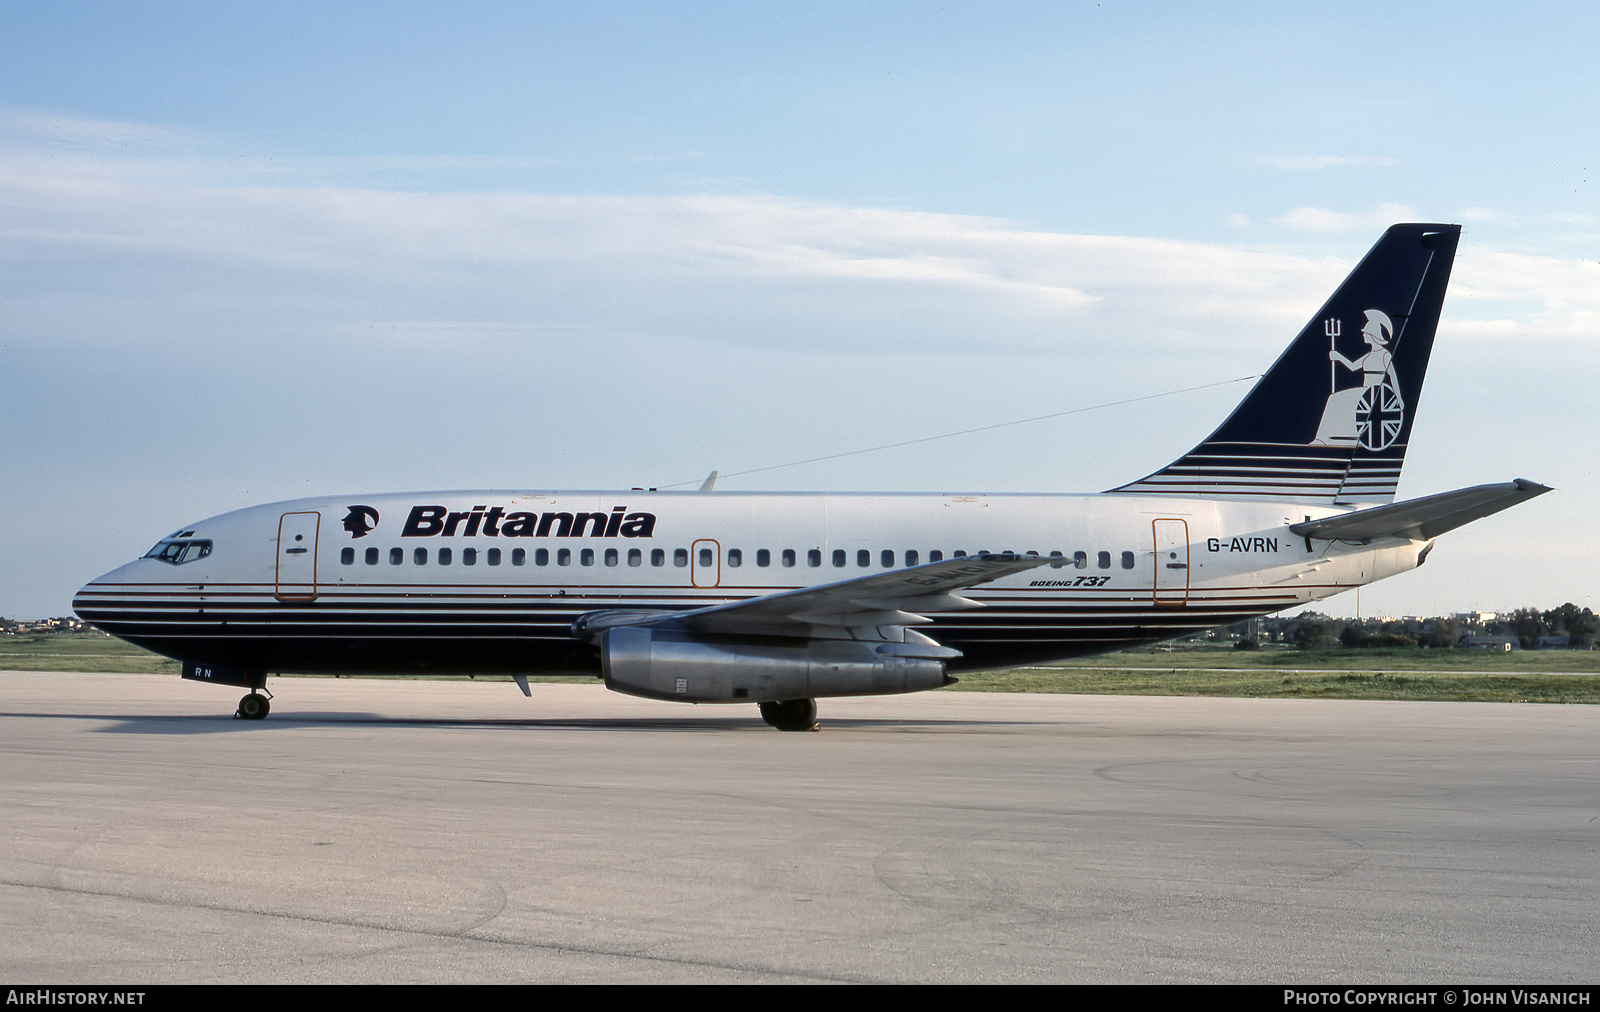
<point>254,706</point>
<point>791,714</point>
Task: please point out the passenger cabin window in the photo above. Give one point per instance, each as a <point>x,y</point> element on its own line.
<point>1059,561</point>
<point>839,558</point>
<point>680,557</point>
<point>658,557</point>
<point>635,557</point>
<point>397,556</point>
<point>494,557</point>
<point>788,557</point>
<point>611,556</point>
<point>586,557</point>
<point>1080,559</point>
<point>1103,560</point>
<point>445,556</point>
<point>176,553</point>
<point>1127,560</point>
<point>420,557</point>
<point>519,556</point>
<point>911,556</point>
<point>541,556</point>
<point>469,556</point>
<point>735,558</point>
<point>863,558</point>
<point>936,556</point>
<point>763,558</point>
<point>814,558</point>
<point>372,556</point>
<point>705,557</point>
<point>563,556</point>
<point>347,556</point>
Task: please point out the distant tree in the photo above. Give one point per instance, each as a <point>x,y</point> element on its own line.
<point>1442,632</point>
<point>1526,624</point>
<point>1354,636</point>
<point>1312,630</point>
<point>1580,624</point>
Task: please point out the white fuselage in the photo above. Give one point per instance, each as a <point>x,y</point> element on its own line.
<point>491,581</point>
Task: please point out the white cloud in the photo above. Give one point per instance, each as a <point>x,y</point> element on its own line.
<point>128,255</point>
<point>1548,298</point>
<point>750,269</point>
<point>1319,219</point>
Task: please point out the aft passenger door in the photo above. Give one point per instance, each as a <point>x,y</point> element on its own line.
<point>1172,561</point>
<point>297,556</point>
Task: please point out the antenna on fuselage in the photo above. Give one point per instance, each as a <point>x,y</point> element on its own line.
<point>710,482</point>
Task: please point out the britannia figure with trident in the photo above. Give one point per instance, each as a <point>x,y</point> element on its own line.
<point>1372,414</point>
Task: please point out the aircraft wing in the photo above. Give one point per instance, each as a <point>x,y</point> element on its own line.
<point>901,597</point>
<point>1422,519</point>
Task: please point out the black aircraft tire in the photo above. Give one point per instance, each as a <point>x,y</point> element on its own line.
<point>254,706</point>
<point>791,714</point>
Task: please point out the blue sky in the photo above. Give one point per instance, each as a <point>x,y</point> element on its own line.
<point>251,252</point>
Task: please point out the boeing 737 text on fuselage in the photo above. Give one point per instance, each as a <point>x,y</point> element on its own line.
<point>779,599</point>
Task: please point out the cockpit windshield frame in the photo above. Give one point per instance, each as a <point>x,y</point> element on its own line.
<point>177,551</point>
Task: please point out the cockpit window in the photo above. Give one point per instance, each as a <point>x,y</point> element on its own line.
<point>177,552</point>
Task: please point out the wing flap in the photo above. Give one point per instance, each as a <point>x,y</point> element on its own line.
<point>1422,519</point>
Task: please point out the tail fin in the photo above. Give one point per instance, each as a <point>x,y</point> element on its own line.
<point>1329,422</point>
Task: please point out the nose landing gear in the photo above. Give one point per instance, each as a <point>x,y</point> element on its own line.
<point>254,706</point>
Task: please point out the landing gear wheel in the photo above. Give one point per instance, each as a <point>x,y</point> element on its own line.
<point>254,706</point>
<point>791,714</point>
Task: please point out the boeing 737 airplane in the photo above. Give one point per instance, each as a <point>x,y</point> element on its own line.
<point>778,599</point>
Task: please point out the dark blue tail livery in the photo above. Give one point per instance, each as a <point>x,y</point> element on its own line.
<point>1329,422</point>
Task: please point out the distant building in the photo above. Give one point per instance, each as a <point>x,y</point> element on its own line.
<point>1499,643</point>
<point>12,627</point>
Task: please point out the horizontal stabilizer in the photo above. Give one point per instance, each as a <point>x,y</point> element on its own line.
<point>1422,519</point>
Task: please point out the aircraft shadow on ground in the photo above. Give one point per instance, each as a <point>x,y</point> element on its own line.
<point>219,723</point>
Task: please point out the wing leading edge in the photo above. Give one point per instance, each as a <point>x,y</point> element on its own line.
<point>877,607</point>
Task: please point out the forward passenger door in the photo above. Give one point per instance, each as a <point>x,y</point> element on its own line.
<point>297,556</point>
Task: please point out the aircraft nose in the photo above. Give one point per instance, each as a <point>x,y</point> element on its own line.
<point>90,601</point>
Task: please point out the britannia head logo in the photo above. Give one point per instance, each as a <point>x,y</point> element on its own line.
<point>1379,330</point>
<point>360,521</point>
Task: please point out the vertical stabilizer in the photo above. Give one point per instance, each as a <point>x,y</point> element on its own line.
<point>1329,422</point>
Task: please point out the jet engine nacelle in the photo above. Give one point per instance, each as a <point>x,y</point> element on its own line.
<point>663,664</point>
